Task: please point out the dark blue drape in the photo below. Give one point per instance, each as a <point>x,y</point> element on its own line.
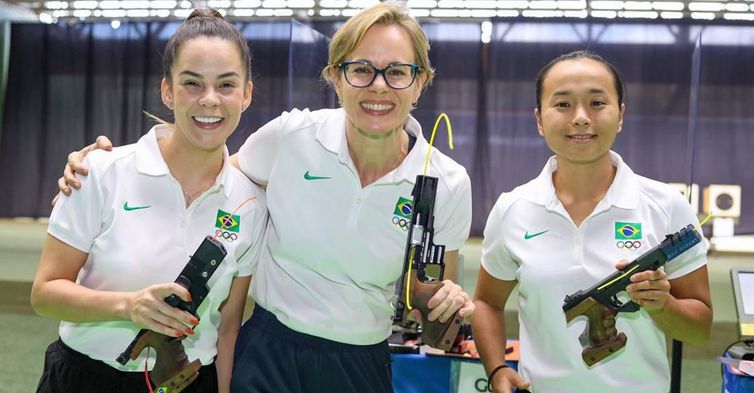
<point>69,83</point>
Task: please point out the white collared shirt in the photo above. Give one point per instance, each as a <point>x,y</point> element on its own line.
<point>530,238</point>
<point>337,248</point>
<point>130,217</point>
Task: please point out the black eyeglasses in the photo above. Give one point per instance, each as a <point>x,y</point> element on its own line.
<point>398,76</point>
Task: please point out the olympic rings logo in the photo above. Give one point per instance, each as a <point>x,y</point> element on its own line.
<point>227,236</point>
<point>631,245</point>
<point>401,222</point>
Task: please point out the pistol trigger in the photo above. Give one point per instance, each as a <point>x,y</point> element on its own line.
<point>630,307</point>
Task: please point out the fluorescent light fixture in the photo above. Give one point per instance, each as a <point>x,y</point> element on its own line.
<point>736,7</point>
<point>54,5</point>
<point>444,13</point>
<point>283,12</point>
<point>507,13</point>
<point>703,15</point>
<point>265,12</point>
<point>60,14</point>
<point>421,4</point>
<point>637,5</point>
<point>97,13</point>
<point>247,4</point>
<point>520,4</point>
<point>273,3</point>
<point>243,12</point>
<point>739,16</point>
<point>607,5</point>
<point>88,5</point>
<point>186,4</point>
<point>134,4</point>
<point>182,13</point>
<point>543,4</point>
<point>542,13</point>
<point>571,4</point>
<point>418,13</point>
<point>115,24</point>
<point>82,13</point>
<point>168,4</point>
<point>638,14</point>
<point>349,12</point>
<point>219,4</point>
<point>160,13</point>
<point>137,13</point>
<point>333,4</point>
<point>450,4</point>
<point>483,13</point>
<point>712,7</point>
<point>668,5</point>
<point>576,14</point>
<point>328,12</point>
<point>483,4</point>
<point>359,4</point>
<point>671,15</point>
<point>486,31</point>
<point>114,13</point>
<point>45,18</point>
<point>301,3</point>
<point>604,14</point>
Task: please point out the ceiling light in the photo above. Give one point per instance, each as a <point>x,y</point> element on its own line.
<point>713,7</point>
<point>703,15</point>
<point>671,15</point>
<point>607,5</point>
<point>604,14</point>
<point>668,5</point>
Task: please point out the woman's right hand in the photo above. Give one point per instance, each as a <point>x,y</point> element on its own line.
<point>75,165</point>
<point>147,310</point>
<point>507,380</point>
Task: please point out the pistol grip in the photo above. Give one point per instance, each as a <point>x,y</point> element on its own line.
<point>434,333</point>
<point>595,353</point>
<point>171,365</point>
<point>601,344</point>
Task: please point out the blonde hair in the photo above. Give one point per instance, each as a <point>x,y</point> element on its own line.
<point>350,35</point>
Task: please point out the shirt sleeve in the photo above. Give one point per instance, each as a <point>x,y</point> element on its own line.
<point>77,219</point>
<point>454,231</point>
<point>247,262</point>
<point>681,215</point>
<point>257,155</point>
<point>496,259</point>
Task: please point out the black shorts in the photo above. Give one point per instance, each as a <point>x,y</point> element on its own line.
<point>67,370</point>
<point>272,358</point>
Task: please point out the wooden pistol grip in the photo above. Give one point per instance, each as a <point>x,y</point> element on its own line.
<point>171,359</point>
<point>434,333</point>
<point>601,344</point>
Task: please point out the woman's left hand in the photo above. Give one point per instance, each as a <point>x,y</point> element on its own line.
<point>449,299</point>
<point>650,289</point>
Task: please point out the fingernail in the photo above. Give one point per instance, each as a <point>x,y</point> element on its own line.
<point>67,190</point>
<point>189,331</point>
<point>194,321</point>
<point>178,333</point>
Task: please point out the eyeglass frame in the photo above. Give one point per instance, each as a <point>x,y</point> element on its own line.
<point>415,70</point>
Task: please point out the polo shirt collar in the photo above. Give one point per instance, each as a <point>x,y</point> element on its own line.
<point>336,142</point>
<point>623,192</point>
<point>149,160</point>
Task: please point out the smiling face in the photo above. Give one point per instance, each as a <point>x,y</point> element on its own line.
<point>379,109</point>
<point>580,115</point>
<point>208,91</point>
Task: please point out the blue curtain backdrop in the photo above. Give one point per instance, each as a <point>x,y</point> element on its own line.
<point>69,83</point>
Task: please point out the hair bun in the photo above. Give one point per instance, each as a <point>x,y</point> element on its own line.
<point>205,13</point>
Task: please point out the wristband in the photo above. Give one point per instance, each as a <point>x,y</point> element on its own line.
<point>494,371</point>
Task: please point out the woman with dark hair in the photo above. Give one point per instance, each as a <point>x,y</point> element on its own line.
<point>114,249</point>
<point>566,230</point>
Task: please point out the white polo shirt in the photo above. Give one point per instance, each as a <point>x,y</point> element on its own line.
<point>531,238</point>
<point>337,248</point>
<point>130,217</point>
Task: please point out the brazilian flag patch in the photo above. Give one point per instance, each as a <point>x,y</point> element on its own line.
<point>627,230</point>
<point>403,208</point>
<point>227,221</point>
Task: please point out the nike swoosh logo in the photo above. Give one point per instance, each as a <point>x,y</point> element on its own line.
<point>130,208</point>
<point>307,176</point>
<point>527,236</point>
